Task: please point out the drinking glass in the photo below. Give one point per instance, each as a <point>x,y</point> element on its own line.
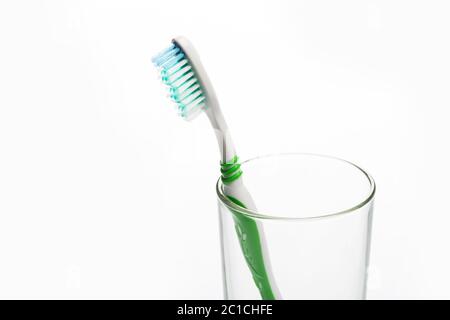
<point>314,214</point>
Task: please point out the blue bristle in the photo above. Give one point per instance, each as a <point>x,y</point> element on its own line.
<point>167,57</point>
<point>162,53</point>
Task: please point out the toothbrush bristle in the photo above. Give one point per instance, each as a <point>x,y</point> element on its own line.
<point>184,88</point>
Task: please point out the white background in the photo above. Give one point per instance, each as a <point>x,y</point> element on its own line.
<point>105,193</point>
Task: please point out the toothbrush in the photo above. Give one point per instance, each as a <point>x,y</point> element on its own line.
<point>191,90</point>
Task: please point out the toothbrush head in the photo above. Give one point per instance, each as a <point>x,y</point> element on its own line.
<point>181,70</point>
<point>179,74</point>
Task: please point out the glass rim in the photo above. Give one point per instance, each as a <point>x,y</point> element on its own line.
<point>261,215</point>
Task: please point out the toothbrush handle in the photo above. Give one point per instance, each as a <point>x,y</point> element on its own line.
<point>250,233</point>
<point>251,245</point>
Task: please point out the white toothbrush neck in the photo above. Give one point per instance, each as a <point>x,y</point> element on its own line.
<point>222,133</point>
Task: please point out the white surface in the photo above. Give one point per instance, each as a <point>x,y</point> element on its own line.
<point>104,193</point>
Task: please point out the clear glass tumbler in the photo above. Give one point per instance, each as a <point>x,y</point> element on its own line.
<point>314,213</point>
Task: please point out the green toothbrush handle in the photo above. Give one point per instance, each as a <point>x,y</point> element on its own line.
<point>250,241</point>
<point>247,230</point>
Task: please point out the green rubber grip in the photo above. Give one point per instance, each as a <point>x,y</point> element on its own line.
<point>248,234</point>
<point>249,239</point>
